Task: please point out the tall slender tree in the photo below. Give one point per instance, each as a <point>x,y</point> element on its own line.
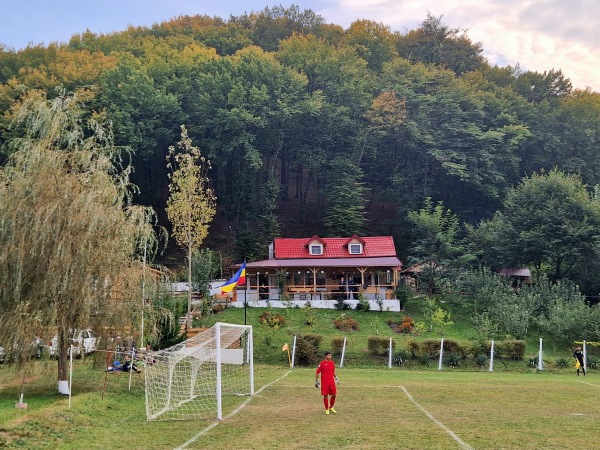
<point>192,204</point>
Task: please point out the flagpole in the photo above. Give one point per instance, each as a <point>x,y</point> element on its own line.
<point>245,300</point>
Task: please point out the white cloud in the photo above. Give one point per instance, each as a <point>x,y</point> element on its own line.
<point>539,35</point>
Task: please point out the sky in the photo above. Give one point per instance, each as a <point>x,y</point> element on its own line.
<point>539,35</point>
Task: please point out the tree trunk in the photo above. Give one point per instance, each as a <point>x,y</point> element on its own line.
<point>189,308</point>
<point>63,363</point>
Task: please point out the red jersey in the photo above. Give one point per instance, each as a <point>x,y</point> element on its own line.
<point>327,371</point>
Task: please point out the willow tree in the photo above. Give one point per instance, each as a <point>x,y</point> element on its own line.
<point>67,230</point>
<point>192,204</point>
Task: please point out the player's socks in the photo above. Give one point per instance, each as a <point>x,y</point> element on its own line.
<point>326,402</point>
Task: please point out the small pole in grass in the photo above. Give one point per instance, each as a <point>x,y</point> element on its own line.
<point>390,356</point>
<point>441,354</point>
<point>70,373</point>
<point>131,364</point>
<point>584,357</point>
<point>492,357</point>
<point>540,364</point>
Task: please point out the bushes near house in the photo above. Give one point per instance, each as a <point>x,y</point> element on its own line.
<point>271,319</point>
<point>344,323</point>
<point>406,326</point>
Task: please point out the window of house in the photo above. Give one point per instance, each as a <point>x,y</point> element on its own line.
<point>316,249</point>
<point>355,249</point>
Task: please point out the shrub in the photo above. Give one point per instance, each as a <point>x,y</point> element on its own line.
<point>341,304</point>
<point>407,325</point>
<point>307,349</point>
<point>310,316</point>
<point>402,357</point>
<point>378,345</point>
<point>425,360</point>
<point>345,323</point>
<point>514,349</point>
<point>533,362</point>
<point>452,346</point>
<point>272,320</point>
<point>562,363</point>
<point>454,359</point>
<point>363,304</point>
<point>431,348</point>
<point>337,344</point>
<point>414,348</point>
<point>481,360</point>
<point>217,308</point>
<point>592,362</point>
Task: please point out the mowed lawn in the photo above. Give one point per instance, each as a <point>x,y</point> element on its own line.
<point>377,409</point>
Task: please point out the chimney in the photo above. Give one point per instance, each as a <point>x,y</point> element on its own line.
<point>271,251</point>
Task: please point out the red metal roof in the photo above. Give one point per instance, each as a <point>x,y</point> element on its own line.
<point>385,261</point>
<point>296,248</point>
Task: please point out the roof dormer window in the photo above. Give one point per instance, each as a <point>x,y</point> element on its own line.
<point>316,249</point>
<point>355,249</point>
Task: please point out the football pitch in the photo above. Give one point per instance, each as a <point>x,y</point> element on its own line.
<point>389,409</point>
<point>376,409</point>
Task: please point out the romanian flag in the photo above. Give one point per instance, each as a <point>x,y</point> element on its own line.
<point>238,278</point>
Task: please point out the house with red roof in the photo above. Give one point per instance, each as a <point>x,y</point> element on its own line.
<point>320,269</point>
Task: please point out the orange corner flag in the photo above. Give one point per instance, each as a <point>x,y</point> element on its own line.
<point>284,347</point>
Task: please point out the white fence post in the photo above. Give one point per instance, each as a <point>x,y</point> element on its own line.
<point>293,352</point>
<point>492,357</point>
<point>390,357</point>
<point>441,354</point>
<point>540,364</point>
<point>343,353</point>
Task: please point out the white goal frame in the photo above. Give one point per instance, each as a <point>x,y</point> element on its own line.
<point>189,380</point>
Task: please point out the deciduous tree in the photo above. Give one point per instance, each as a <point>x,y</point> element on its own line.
<point>67,233</point>
<point>192,204</point>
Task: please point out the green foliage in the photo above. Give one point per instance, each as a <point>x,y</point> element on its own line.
<point>454,359</point>
<point>441,320</point>
<point>481,360</point>
<point>363,304</point>
<point>309,314</point>
<point>378,345</point>
<point>562,362</point>
<point>307,349</point>
<point>514,349</point>
<point>438,247</point>
<point>345,193</point>
<point>337,345</point>
<point>402,357</point>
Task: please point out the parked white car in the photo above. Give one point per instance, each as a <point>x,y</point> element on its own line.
<point>36,349</point>
<point>84,342</point>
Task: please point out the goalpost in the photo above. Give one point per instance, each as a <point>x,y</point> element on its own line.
<point>201,376</point>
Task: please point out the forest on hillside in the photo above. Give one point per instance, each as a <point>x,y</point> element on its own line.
<point>311,128</point>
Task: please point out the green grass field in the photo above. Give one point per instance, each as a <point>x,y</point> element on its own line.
<point>377,408</point>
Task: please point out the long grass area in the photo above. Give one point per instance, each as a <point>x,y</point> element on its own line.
<point>377,408</point>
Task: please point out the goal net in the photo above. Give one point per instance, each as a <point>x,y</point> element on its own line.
<point>201,377</point>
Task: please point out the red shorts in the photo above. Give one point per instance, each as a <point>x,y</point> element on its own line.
<point>328,389</point>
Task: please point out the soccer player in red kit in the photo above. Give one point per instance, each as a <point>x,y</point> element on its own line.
<point>328,382</point>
